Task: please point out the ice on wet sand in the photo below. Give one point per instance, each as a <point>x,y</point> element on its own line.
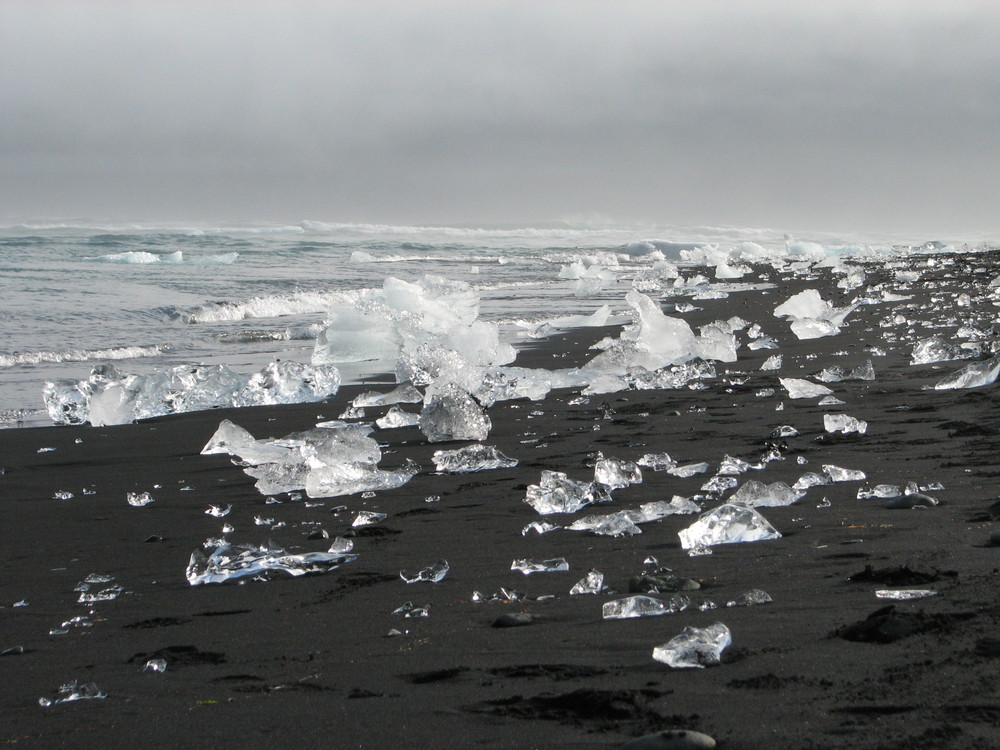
<point>472,458</point>
<point>727,524</point>
<point>695,648</point>
<point>218,562</point>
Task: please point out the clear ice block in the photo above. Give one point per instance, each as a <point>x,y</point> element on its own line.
<point>695,648</point>
<point>644,606</point>
<point>472,458</point>
<point>727,524</point>
<point>218,561</point>
<point>431,574</point>
<point>528,567</point>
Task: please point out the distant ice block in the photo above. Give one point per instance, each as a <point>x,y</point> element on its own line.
<point>811,316</point>
<point>751,598</point>
<point>836,374</point>
<point>845,424</point>
<point>800,388</point>
<point>527,567</point>
<point>472,458</point>
<point>644,606</point>
<point>431,574</point>
<point>613,524</point>
<point>938,349</point>
<point>592,583</point>
<point>218,562</point>
<point>695,648</point>
<point>972,376</point>
<point>840,474</point>
<point>450,413</point>
<point>728,524</point>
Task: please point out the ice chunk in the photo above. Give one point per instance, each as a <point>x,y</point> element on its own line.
<point>557,493</point>
<point>450,413</point>
<point>756,494</point>
<point>539,527</point>
<point>938,349</point>
<point>138,499</point>
<point>811,316</point>
<point>472,458</point>
<point>431,574</point>
<point>772,363</point>
<point>751,598</point>
<point>689,470</point>
<point>719,484</point>
<point>351,478</point>
<point>839,474</point>
<point>396,417</point>
<point>613,524</point>
<point>73,691</point>
<point>904,594</point>
<point>644,606</point>
<point>367,518</point>
<point>727,524</point>
<point>799,388</point>
<point>657,461</point>
<point>217,562</point>
<point>810,479</point>
<point>229,438</point>
<point>732,466</point>
<point>695,647</point>
<point>593,583</point>
<point>972,376</point>
<point>287,382</point>
<point>155,665</point>
<point>836,374</point>
<point>353,335</point>
<point>404,394</point>
<point>845,424</point>
<point>615,474</point>
<point>555,565</point>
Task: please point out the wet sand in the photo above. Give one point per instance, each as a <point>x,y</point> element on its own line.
<point>307,661</point>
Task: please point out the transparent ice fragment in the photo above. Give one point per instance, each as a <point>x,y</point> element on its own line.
<point>367,518</point>
<point>341,546</point>
<point>615,474</point>
<point>557,493</point>
<point>62,495</point>
<point>883,491</point>
<point>472,458</point>
<point>727,524</point>
<point>555,565</point>
<point>396,418</point>
<point>218,561</point>
<point>972,376</point>
<point>845,424</point>
<point>593,583</point>
<point>830,401</point>
<point>938,349</point>
<point>73,691</point>
<point>772,363</point>
<point>613,524</point>
<point>719,484</point>
<point>450,413</point>
<point>657,461</point>
<point>404,394</point>
<point>756,494</point>
<point>644,606</point>
<point>799,388</point>
<point>765,342</point>
<point>783,431</point>
<point>731,466</point>
<point>836,374</point>
<point>218,511</point>
<point>839,474</point>
<point>904,594</point>
<point>139,499</point>
<point>688,470</point>
<point>431,574</point>
<point>104,595</point>
<point>352,478</point>
<point>751,598</point>
<point>155,665</point>
<point>539,527</point>
<point>695,647</point>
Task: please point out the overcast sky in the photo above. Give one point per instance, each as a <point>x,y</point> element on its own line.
<point>835,115</point>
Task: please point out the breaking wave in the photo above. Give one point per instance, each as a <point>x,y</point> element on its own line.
<point>143,257</point>
<point>270,307</point>
<point>79,355</point>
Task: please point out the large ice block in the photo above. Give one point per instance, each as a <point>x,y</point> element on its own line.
<point>695,647</point>
<point>730,523</point>
<point>450,413</point>
<point>472,458</point>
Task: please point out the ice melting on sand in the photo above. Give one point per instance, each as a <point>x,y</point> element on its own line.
<point>695,647</point>
<point>799,388</point>
<point>811,316</point>
<point>972,376</point>
<point>730,523</point>
<point>756,494</point>
<point>217,562</point>
<point>644,606</point>
<point>472,458</point>
<point>557,493</point>
<point>450,413</point>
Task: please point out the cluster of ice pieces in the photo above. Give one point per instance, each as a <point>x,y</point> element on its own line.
<point>218,561</point>
<point>331,460</point>
<point>107,397</point>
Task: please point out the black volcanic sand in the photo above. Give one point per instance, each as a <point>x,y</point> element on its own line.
<point>307,661</point>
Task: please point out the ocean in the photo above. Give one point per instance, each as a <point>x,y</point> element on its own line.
<point>146,297</point>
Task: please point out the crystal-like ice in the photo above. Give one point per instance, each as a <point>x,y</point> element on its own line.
<point>904,594</point>
<point>351,478</point>
<point>695,647</point>
<point>811,316</point>
<point>615,474</point>
<point>139,499</point>
<point>688,470</point>
<point>367,518</point>
<point>555,565</point>
<point>450,413</point>
<point>472,458</point>
<point>557,493</point>
<point>218,511</point>
<point>727,524</point>
<point>751,598</point>
<point>396,417</point>
<point>657,461</point>
<point>592,583</point>
<point>218,561</point>
<point>403,394</point>
<point>287,382</point>
<point>811,479</point>
<point>431,574</point>
<point>73,691</point>
<point>719,484</point>
<point>845,424</point>
<point>772,363</point>
<point>800,388</point>
<point>972,376</point>
<point>613,524</point>
<point>539,527</point>
<point>836,374</point>
<point>756,494</point>
<point>155,665</point>
<point>840,474</point>
<point>644,606</point>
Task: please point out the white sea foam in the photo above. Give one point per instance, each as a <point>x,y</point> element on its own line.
<point>143,257</point>
<point>274,306</point>
<point>79,355</point>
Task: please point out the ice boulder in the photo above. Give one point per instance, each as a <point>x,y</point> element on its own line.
<point>450,413</point>
<point>730,523</point>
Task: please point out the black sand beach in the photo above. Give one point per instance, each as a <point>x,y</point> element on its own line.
<point>307,661</point>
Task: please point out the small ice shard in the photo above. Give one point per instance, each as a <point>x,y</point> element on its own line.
<point>845,424</point>
<point>557,493</point>
<point>810,479</point>
<point>555,565</point>
<point>73,691</point>
<point>396,418</point>
<point>695,647</point>
<point>883,491</point>
<point>751,598</point>
<point>727,524</point>
<point>62,495</point>
<point>836,374</point>
<point>367,518</point>
<point>404,394</point>
<point>218,511</point>
<point>472,458</point>
<point>719,484</point>
<point>218,561</point>
<point>688,470</point>
<point>340,546</point>
<point>593,583</point>
<point>644,606</point>
<point>450,413</point>
<point>731,466</point>
<point>155,665</point>
<point>839,474</point>
<point>657,461</point>
<point>139,499</point>
<point>783,431</point>
<point>539,527</point>
<point>104,595</point>
<point>937,349</point>
<point>772,363</point>
<point>756,494</point>
<point>613,524</point>
<point>800,388</point>
<point>830,401</point>
<point>972,376</point>
<point>615,474</point>
<point>765,342</point>
<point>904,594</point>
<point>431,574</point>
